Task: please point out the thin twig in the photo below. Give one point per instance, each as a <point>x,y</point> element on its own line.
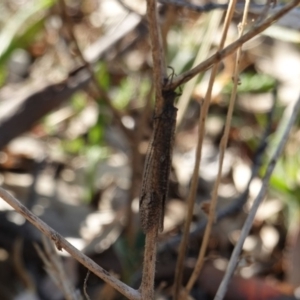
<point>291,114</point>
<point>19,266</point>
<point>85,285</point>
<point>55,269</point>
<point>236,205</point>
<point>156,171</point>
<point>217,57</point>
<point>62,243</point>
<point>159,66</point>
<point>223,145</point>
<point>194,184</point>
<point>147,285</point>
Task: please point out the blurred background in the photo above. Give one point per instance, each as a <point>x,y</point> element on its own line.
<point>76,108</point>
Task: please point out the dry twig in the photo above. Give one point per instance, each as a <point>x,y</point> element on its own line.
<point>194,184</point>
<point>85,285</point>
<point>291,114</point>
<point>158,162</point>
<point>223,145</point>
<point>147,285</point>
<point>55,269</point>
<point>217,57</point>
<point>62,243</point>
<point>158,57</point>
<point>20,269</point>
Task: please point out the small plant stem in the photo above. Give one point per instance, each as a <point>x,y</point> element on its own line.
<point>223,145</point>
<point>217,57</point>
<point>291,113</point>
<point>62,243</point>
<point>159,76</point>
<point>158,57</point>
<point>201,132</point>
<point>147,285</point>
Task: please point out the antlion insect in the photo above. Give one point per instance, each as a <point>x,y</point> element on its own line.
<point>158,163</point>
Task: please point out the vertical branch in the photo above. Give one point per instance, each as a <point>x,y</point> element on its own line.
<point>194,184</point>
<point>223,145</point>
<point>158,58</point>
<point>158,162</point>
<point>291,113</point>
<point>147,285</point>
<point>155,186</point>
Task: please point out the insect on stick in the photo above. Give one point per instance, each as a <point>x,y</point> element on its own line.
<point>157,166</point>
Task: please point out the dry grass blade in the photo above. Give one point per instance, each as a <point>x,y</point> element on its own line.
<point>20,269</point>
<point>85,285</point>
<point>291,114</point>
<point>223,145</point>
<point>55,269</point>
<point>193,189</point>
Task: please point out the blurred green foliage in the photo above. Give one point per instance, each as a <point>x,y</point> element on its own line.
<point>22,27</point>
